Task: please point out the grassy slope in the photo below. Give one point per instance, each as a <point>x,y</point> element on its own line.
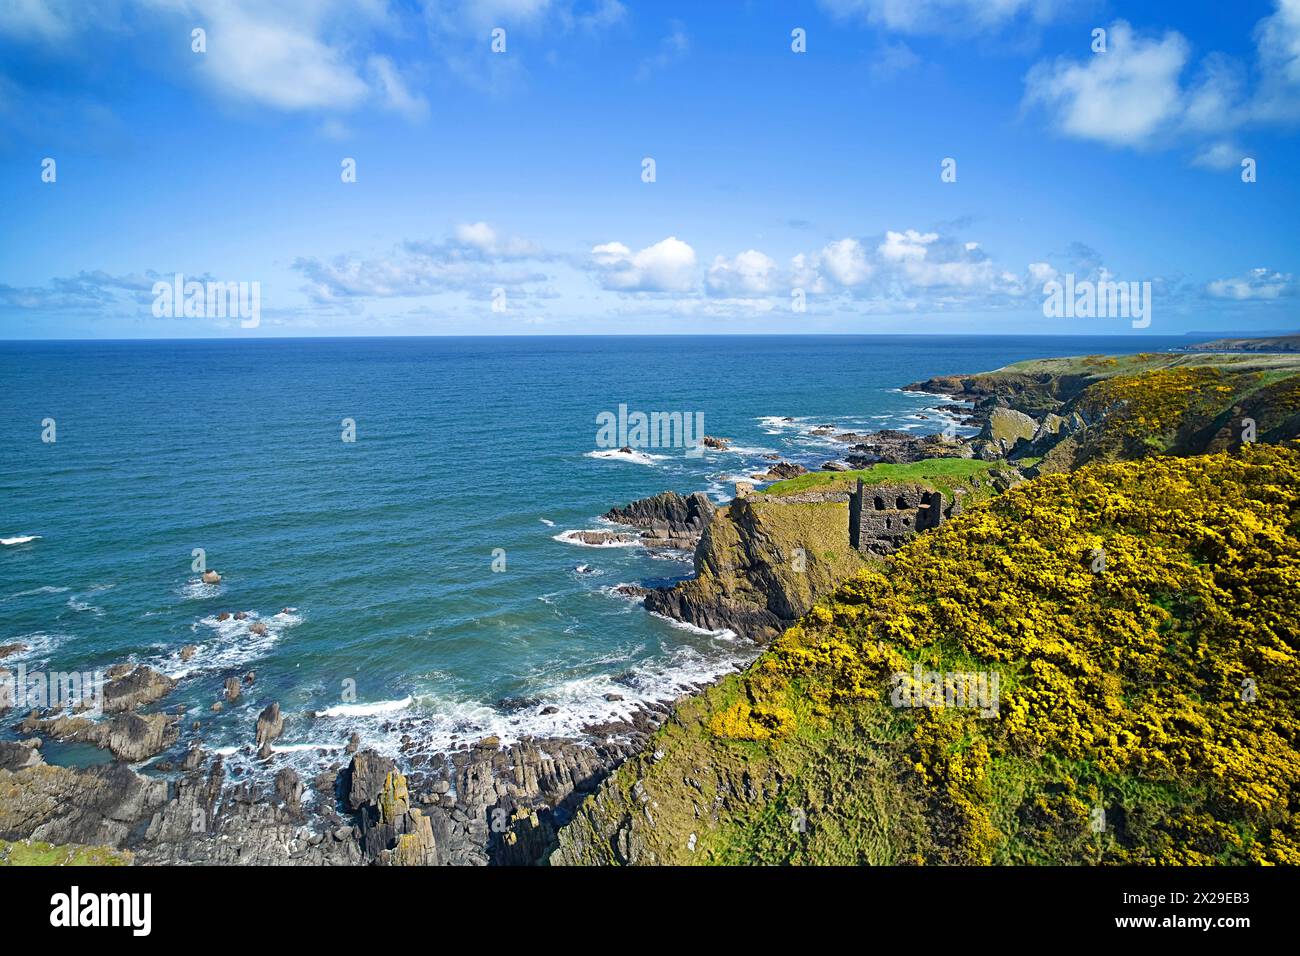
<point>942,473</point>
<point>35,853</point>
<point>1124,690</point>
<point>1106,365</point>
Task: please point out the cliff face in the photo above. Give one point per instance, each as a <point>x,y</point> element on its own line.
<point>853,739</point>
<point>1140,710</point>
<point>760,564</point>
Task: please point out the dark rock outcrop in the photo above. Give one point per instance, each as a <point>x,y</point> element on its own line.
<point>670,520</point>
<point>139,687</point>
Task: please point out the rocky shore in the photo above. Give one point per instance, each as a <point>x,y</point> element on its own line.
<point>482,803</point>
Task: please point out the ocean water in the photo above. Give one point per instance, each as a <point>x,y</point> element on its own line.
<point>372,562</point>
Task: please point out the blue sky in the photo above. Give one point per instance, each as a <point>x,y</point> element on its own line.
<point>503,192</point>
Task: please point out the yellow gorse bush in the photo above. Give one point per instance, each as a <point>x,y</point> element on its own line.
<point>1176,665</point>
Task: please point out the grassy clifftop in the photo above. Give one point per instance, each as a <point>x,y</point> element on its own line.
<point>1139,618</point>
<point>945,474</point>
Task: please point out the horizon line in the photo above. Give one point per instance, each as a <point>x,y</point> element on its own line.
<point>665,335</point>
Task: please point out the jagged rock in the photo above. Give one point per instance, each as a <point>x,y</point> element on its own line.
<point>193,757</point>
<point>364,778</point>
<point>1006,426</point>
<point>600,537</point>
<point>711,441</point>
<point>144,685</point>
<point>354,743</point>
<point>134,737</point>
<point>211,577</point>
<point>188,652</point>
<point>129,736</point>
<point>289,788</point>
<point>223,616</point>
<point>14,648</point>
<point>631,590</point>
<point>835,466</point>
<point>270,725</point>
<point>1005,478</point>
<point>98,806</point>
<point>232,689</point>
<point>18,755</point>
<point>670,520</point>
<point>393,832</point>
<point>258,628</point>
<point>781,471</point>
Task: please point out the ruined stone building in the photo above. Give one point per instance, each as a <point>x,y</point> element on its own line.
<point>882,517</point>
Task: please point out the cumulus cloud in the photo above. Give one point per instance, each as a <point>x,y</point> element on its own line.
<point>899,246</point>
<point>666,266</point>
<point>1123,97</point>
<point>474,259</point>
<point>751,273</point>
<point>1135,93</point>
<point>1256,284</point>
<point>845,262</point>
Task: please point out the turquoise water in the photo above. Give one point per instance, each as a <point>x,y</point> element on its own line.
<point>382,549</point>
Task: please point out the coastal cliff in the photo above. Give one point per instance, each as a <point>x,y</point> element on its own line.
<point>1125,615</point>
<point>1145,712</point>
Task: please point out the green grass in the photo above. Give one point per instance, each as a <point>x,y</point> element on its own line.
<point>1104,366</point>
<point>35,853</point>
<point>944,474</point>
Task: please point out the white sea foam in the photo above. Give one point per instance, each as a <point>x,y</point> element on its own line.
<point>39,646</point>
<point>196,590</point>
<point>20,539</point>
<point>547,521</point>
<point>77,603</point>
<point>33,592</point>
<point>366,710</point>
<point>725,633</point>
<point>613,591</point>
<point>571,537</point>
<point>231,644</point>
<point>617,454</point>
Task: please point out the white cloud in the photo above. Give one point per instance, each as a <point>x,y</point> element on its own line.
<point>1278,40</point>
<point>48,21</point>
<point>939,16</point>
<point>1124,96</point>
<point>1134,94</point>
<point>911,244</point>
<point>845,261</point>
<point>475,259</point>
<point>396,94</point>
<point>293,55</point>
<point>1255,284</point>
<point>1220,155</point>
<point>751,273</point>
<point>481,238</point>
<point>1040,273</point>
<point>666,266</point>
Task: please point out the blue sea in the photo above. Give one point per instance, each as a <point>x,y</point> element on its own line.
<point>371,562</point>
